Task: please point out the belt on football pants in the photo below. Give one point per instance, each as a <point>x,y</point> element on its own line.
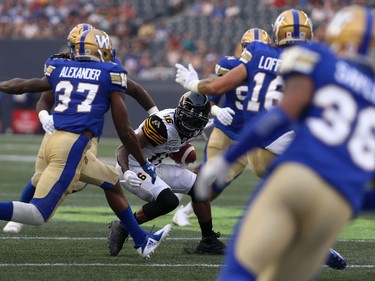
<point>88,134</point>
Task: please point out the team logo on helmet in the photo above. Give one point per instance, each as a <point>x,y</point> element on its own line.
<point>94,45</point>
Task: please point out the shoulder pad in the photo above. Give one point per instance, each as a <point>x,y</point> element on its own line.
<point>155,130</point>
<point>119,78</point>
<point>246,56</point>
<point>298,59</point>
<point>225,64</point>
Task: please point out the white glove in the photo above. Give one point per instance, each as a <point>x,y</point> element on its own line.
<point>188,78</point>
<point>132,179</point>
<point>224,115</point>
<point>215,170</point>
<point>47,121</point>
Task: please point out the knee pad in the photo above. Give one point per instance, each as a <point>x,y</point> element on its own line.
<point>166,202</point>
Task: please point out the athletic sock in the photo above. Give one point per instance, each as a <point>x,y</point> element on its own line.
<point>27,193</point>
<point>135,231</point>
<point>206,228</point>
<point>6,211</point>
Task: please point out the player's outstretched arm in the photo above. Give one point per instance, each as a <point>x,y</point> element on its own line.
<point>43,107</point>
<point>137,92</point>
<point>45,101</point>
<point>124,129</point>
<point>188,78</point>
<point>18,86</point>
<point>126,133</point>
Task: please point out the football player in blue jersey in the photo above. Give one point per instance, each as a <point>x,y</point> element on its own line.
<point>259,69</point>
<point>44,106</point>
<point>316,186</point>
<point>228,121</point>
<point>84,90</point>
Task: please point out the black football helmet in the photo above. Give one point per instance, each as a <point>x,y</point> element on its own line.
<point>191,115</point>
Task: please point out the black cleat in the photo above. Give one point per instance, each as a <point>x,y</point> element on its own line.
<point>210,245</point>
<point>118,235</point>
<point>335,260</point>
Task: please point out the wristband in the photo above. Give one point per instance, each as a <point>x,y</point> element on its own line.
<point>43,114</point>
<point>193,85</point>
<point>153,110</point>
<point>214,110</point>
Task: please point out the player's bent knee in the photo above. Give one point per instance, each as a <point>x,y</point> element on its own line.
<point>192,194</point>
<point>168,201</point>
<point>38,218</point>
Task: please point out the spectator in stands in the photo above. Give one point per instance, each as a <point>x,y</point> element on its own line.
<point>207,8</point>
<point>188,42</point>
<point>319,13</point>
<point>233,10</point>
<point>123,19</point>
<point>146,31</point>
<point>218,11</point>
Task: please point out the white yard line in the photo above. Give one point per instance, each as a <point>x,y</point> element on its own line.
<point>135,265</point>
<point>169,238</point>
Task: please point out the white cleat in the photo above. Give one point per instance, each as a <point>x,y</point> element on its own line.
<point>13,227</point>
<point>180,218</point>
<point>152,241</point>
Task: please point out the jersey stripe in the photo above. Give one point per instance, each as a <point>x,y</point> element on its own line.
<point>152,133</point>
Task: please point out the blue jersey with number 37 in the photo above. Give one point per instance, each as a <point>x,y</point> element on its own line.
<point>336,134</point>
<point>82,92</point>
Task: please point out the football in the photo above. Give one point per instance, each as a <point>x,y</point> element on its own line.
<point>186,155</point>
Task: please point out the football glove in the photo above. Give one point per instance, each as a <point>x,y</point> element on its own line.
<point>187,77</point>
<point>224,115</point>
<point>132,179</point>
<point>47,122</point>
<point>151,170</point>
<point>215,170</point>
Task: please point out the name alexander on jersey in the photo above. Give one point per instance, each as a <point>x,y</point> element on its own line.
<point>80,72</point>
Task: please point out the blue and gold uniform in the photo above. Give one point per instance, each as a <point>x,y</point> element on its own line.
<point>82,90</point>
<point>224,135</point>
<point>232,99</point>
<point>262,63</point>
<point>264,86</point>
<point>317,185</point>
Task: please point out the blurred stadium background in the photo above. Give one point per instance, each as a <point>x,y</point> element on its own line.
<point>150,36</point>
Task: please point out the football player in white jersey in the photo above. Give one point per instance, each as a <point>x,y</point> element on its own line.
<point>159,135</point>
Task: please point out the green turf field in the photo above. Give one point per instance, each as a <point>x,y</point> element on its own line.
<point>73,245</point>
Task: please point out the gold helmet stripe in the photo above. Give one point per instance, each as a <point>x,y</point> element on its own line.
<point>366,41</point>
<point>295,24</point>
